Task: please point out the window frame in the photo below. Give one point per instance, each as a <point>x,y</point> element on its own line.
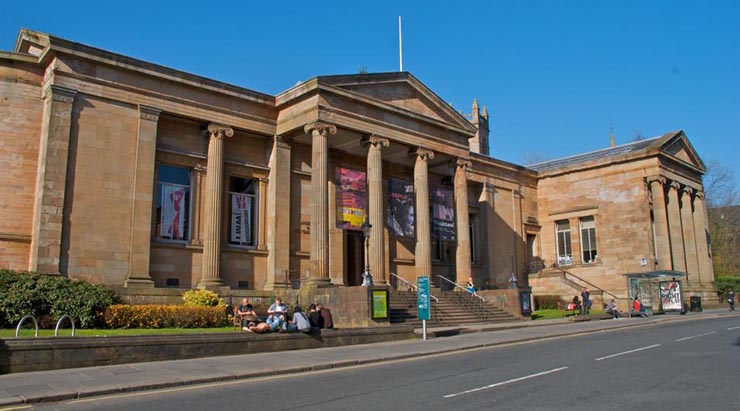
<point>567,257</point>
<point>254,215</point>
<point>590,232</point>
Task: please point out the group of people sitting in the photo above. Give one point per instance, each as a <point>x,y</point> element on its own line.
<point>278,319</point>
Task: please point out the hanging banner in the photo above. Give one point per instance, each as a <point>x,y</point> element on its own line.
<point>351,198</point>
<point>241,224</point>
<point>670,296</point>
<point>401,208</point>
<point>443,214</point>
<point>173,205</point>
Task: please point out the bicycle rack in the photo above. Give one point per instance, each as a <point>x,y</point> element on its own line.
<point>59,323</point>
<point>25,317</point>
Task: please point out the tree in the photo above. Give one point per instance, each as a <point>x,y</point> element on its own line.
<point>724,219</point>
<point>534,157</point>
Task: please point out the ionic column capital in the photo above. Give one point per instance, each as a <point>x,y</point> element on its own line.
<point>675,185</point>
<point>699,194</point>
<point>687,190</point>
<point>322,128</point>
<point>657,179</point>
<point>375,141</point>
<point>422,153</point>
<point>149,113</point>
<point>281,141</point>
<point>220,131</point>
<point>464,163</point>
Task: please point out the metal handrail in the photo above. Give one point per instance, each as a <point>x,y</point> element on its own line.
<point>412,285</point>
<point>460,287</point>
<point>25,317</point>
<point>594,286</point>
<point>59,323</point>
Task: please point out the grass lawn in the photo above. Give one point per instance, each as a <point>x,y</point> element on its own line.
<point>554,313</point>
<point>66,332</point>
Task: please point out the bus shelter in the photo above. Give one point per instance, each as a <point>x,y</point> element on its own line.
<point>658,291</point>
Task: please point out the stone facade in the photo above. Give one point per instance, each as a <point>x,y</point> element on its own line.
<point>126,173</point>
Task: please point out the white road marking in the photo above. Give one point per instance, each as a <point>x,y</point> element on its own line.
<point>696,336</point>
<point>505,382</point>
<point>733,328</point>
<point>627,352</point>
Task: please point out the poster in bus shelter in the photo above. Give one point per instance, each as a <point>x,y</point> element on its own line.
<point>400,208</point>
<point>670,295</point>
<point>443,214</point>
<point>351,198</point>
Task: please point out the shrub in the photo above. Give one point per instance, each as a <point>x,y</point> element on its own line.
<point>164,316</point>
<point>547,302</point>
<point>45,296</point>
<point>205,298</point>
<point>725,284</point>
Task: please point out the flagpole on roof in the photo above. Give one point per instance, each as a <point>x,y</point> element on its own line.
<point>400,45</point>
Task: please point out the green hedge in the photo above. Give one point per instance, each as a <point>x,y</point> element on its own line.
<point>49,297</point>
<point>165,316</point>
<point>725,284</point>
<point>548,302</point>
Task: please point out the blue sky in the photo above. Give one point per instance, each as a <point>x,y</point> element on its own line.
<point>552,73</point>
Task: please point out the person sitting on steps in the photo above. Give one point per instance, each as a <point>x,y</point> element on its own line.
<point>470,287</point>
<point>277,315</point>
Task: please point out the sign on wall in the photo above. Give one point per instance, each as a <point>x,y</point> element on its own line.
<point>400,208</point>
<point>351,198</point>
<point>443,214</point>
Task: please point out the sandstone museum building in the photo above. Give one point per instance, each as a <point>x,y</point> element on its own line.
<point>141,177</point>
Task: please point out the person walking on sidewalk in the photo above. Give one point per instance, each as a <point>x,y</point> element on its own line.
<point>731,300</point>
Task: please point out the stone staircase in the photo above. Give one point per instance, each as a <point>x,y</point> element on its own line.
<point>453,308</point>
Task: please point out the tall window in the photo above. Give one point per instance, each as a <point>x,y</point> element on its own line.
<point>565,251</point>
<point>243,211</point>
<point>588,239</point>
<point>173,203</point>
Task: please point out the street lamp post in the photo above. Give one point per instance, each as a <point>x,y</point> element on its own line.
<point>367,279</point>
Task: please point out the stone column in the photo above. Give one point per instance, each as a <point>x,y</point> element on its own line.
<point>319,276</point>
<point>211,275</point>
<point>489,245</point>
<point>196,198</point>
<point>662,238</point>
<point>462,252</point>
<point>689,237</point>
<point>141,216</point>
<point>376,259</point>
<point>278,215</point>
<point>706,270</point>
<point>423,250</point>
<point>674,227</point>
<point>51,180</point>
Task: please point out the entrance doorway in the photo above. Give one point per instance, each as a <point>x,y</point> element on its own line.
<point>354,257</point>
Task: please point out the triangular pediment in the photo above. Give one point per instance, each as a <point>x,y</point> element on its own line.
<point>681,149</point>
<point>403,91</point>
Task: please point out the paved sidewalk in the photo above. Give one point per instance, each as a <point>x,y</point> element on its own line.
<point>57,385</point>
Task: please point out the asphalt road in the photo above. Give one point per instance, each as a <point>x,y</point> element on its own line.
<point>688,365</point>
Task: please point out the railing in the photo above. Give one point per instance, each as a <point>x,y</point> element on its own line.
<point>460,287</point>
<point>59,323</point>
<point>412,286</point>
<point>590,284</point>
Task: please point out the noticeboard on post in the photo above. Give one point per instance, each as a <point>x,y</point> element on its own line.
<point>380,304</point>
<point>423,298</point>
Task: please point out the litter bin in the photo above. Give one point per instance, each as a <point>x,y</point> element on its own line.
<point>695,304</point>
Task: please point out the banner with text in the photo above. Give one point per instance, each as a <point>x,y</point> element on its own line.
<point>351,198</point>
<point>401,208</point>
<point>443,214</point>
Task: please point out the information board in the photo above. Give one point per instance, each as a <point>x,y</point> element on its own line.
<point>423,299</point>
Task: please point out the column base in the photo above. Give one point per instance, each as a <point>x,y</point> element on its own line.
<point>139,282</point>
<point>213,284</point>
<point>277,286</point>
<point>318,283</point>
